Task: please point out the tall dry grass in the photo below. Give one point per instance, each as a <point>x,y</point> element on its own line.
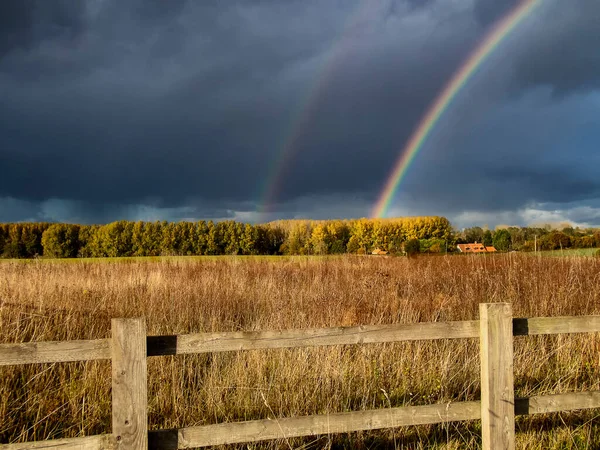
<point>41,300</point>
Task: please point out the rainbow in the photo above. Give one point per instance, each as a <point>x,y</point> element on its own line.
<point>490,43</point>
<point>340,49</point>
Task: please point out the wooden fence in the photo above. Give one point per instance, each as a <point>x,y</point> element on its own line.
<point>129,347</point>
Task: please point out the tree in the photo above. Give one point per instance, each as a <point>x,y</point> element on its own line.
<point>339,234</point>
<point>412,247</point>
<point>362,235</point>
<point>319,240</point>
<point>555,240</point>
<point>61,240</point>
<point>31,238</point>
<point>13,247</point>
<point>124,238</point>
<point>502,240</point>
<point>474,234</point>
<point>487,238</point>
<point>250,240</point>
<point>214,238</point>
<point>87,241</point>
<point>3,236</point>
<point>115,239</point>
<point>297,239</point>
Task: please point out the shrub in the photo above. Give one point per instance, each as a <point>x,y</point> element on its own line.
<point>412,247</point>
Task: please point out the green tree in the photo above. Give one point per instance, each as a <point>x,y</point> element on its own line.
<point>61,240</point>
<point>339,234</point>
<point>31,239</point>
<point>474,234</point>
<point>13,246</point>
<point>487,238</point>
<point>3,237</point>
<point>502,240</point>
<point>214,239</point>
<point>412,247</point>
<point>249,240</point>
<point>270,239</point>
<point>231,236</point>
<point>201,238</point>
<point>115,239</point>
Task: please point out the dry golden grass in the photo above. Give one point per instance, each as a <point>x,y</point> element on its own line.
<point>41,300</point>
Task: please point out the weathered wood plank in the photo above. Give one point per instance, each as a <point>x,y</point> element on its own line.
<point>366,334</point>
<point>259,430</point>
<point>87,350</point>
<point>557,402</point>
<point>497,385</point>
<point>556,325</point>
<point>337,423</point>
<point>54,351</point>
<point>129,384</point>
<point>101,442</point>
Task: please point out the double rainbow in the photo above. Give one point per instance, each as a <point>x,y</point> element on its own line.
<point>341,49</point>
<point>490,43</point>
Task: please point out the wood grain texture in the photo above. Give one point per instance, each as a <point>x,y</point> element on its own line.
<point>556,325</point>
<point>259,430</point>
<point>366,334</point>
<point>335,423</point>
<point>497,384</point>
<point>102,442</point>
<point>129,384</point>
<point>54,351</point>
<point>557,402</point>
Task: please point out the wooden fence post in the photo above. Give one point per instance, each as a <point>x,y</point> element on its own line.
<point>497,384</point>
<point>129,384</point>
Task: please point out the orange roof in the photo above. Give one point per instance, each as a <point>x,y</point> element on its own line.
<point>475,248</point>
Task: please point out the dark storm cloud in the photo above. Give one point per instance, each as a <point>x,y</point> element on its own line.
<point>26,23</point>
<point>563,52</point>
<point>413,4</point>
<point>177,109</point>
<point>204,120</point>
<point>535,150</point>
<point>489,11</point>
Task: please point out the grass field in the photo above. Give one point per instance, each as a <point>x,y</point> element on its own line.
<point>572,252</point>
<point>57,301</point>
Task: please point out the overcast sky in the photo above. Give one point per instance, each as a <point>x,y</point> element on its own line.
<point>182,109</point>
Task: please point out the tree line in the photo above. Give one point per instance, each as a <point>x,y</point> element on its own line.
<point>532,238</point>
<point>290,237</point>
<point>286,237</point>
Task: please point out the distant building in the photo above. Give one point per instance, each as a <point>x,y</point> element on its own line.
<point>475,248</point>
<point>378,251</point>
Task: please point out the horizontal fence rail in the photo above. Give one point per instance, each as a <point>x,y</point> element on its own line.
<point>254,340</point>
<point>556,325</point>
<point>103,442</point>
<point>129,347</point>
<point>54,351</point>
<point>88,350</point>
<point>259,430</point>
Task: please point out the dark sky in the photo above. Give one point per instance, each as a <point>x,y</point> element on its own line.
<point>181,109</point>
